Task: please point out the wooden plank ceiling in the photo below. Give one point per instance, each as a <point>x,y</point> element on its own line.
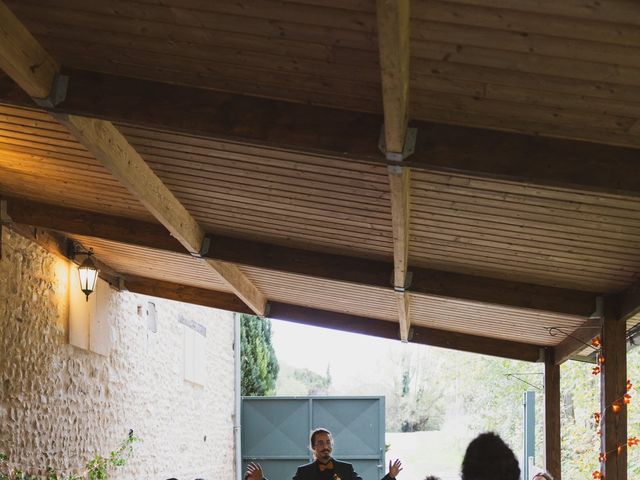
<point>550,223</point>
<point>567,69</point>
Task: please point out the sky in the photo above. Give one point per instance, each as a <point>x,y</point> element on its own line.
<point>348,354</point>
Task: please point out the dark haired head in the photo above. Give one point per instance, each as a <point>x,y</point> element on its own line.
<point>489,458</point>
<point>317,431</point>
<point>431,477</point>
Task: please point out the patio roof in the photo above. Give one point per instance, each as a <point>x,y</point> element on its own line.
<point>228,154</point>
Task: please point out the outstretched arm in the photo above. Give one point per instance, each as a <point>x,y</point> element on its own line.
<point>254,472</point>
<point>394,468</point>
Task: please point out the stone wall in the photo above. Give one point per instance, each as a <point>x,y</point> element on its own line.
<point>60,405</point>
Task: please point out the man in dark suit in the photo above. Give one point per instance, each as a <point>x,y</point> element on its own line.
<point>325,467</point>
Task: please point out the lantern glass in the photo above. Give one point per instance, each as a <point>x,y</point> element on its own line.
<point>88,274</point>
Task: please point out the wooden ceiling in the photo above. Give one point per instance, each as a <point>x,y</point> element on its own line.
<point>256,125</point>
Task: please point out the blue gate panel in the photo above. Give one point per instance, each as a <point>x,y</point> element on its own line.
<point>354,423</point>
<point>278,427</point>
<point>275,432</point>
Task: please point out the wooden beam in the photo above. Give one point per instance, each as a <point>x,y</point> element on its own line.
<point>399,183</point>
<point>393,46</point>
<point>552,432</point>
<point>578,340</point>
<point>22,57</point>
<point>307,128</point>
<point>115,152</point>
<point>475,344</point>
<point>403,300</point>
<point>318,265</point>
<point>184,293</point>
<point>613,387</point>
<point>243,287</point>
<point>421,335</point>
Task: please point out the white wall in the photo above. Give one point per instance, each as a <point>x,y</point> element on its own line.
<point>60,405</point>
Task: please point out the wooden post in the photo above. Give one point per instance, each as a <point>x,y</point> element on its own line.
<point>612,389</point>
<point>552,454</point>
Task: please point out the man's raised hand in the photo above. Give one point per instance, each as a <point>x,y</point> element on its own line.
<point>395,468</point>
<point>254,472</point>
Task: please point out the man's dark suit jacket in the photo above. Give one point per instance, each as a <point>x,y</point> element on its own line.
<point>343,470</point>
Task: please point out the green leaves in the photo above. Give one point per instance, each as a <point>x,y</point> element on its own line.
<point>98,468</point>
<point>259,365</point>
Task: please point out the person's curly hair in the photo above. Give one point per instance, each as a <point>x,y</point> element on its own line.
<point>489,458</point>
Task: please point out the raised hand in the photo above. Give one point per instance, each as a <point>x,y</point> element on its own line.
<point>254,472</point>
<point>395,468</point>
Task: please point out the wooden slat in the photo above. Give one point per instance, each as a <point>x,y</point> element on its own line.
<point>492,320</point>
<point>552,427</point>
<point>318,265</point>
<point>23,58</point>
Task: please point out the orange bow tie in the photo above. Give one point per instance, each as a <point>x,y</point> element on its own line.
<point>325,466</point>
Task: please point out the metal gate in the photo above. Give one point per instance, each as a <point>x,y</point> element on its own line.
<point>275,432</point>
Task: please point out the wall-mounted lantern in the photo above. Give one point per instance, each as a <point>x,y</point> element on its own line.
<point>88,273</point>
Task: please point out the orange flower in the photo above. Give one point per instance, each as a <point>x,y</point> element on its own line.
<point>629,385</point>
<point>626,399</point>
<point>633,441</point>
<point>596,342</point>
<point>602,457</point>
<point>597,417</point>
<point>597,475</point>
<point>595,370</point>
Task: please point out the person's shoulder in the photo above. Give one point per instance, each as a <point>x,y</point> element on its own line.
<point>306,466</point>
<point>338,463</point>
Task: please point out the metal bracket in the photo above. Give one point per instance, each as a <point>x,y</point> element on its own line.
<point>121,285</point>
<point>267,309</point>
<point>408,148</point>
<point>57,94</point>
<point>204,248</point>
<point>599,311</point>
<point>408,278</point>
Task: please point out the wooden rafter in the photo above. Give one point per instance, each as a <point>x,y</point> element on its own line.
<point>115,152</point>
<point>319,265</point>
<point>34,70</point>
<point>393,47</point>
<point>308,128</point>
<point>110,147</point>
<point>23,58</point>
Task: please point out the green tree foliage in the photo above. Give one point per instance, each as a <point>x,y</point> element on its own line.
<point>259,365</point>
